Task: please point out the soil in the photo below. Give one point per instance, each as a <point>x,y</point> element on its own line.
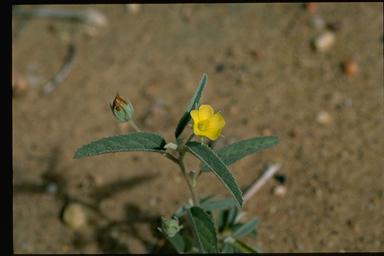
<point>266,79</point>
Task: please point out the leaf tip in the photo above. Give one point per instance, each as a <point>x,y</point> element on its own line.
<point>76,155</point>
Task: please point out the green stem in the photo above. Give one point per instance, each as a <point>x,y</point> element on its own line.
<point>189,183</point>
<point>171,157</point>
<point>134,126</point>
<point>189,138</point>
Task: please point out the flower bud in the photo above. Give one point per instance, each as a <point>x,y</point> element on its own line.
<point>170,227</point>
<point>122,110</point>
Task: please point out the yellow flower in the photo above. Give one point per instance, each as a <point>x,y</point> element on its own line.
<point>206,123</point>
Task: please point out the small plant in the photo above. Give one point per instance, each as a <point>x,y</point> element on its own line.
<point>205,225</point>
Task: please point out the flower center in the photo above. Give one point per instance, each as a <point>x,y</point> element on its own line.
<point>203,125</point>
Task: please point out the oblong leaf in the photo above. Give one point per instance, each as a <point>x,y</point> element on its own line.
<point>231,153</point>
<point>218,204</point>
<point>204,229</point>
<point>242,247</point>
<point>215,164</point>
<point>136,141</point>
<point>192,105</point>
<point>245,229</point>
<point>177,242</point>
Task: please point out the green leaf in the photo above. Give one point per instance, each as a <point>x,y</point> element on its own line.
<point>215,164</point>
<point>136,141</point>
<point>226,218</point>
<point>204,229</point>
<point>177,242</point>
<point>219,204</point>
<point>231,153</point>
<point>192,105</point>
<point>242,247</point>
<point>245,229</point>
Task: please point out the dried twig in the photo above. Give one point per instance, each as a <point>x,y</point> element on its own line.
<point>90,17</point>
<point>271,170</point>
<point>63,72</point>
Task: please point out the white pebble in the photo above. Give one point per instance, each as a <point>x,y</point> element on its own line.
<point>75,216</point>
<point>133,8</point>
<point>324,118</point>
<point>280,191</point>
<point>325,41</point>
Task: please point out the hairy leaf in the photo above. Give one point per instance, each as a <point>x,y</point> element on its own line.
<point>177,242</point>
<point>204,229</point>
<point>215,164</point>
<point>245,229</point>
<point>137,141</point>
<point>192,105</point>
<point>242,247</point>
<point>231,153</point>
<point>218,204</point>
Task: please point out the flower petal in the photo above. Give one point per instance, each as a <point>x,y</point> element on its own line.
<point>212,134</point>
<point>205,112</point>
<point>195,116</point>
<point>216,122</point>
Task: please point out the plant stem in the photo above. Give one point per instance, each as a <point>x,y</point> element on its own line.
<point>134,126</point>
<point>171,157</point>
<point>188,180</point>
<point>189,138</point>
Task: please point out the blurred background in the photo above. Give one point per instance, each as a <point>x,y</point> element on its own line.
<point>311,74</point>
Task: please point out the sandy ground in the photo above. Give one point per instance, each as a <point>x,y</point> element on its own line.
<point>265,78</point>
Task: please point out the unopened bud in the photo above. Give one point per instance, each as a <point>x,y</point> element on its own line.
<point>170,226</point>
<point>122,109</point>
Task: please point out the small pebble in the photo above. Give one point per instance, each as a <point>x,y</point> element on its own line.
<point>95,18</point>
<point>52,188</point>
<point>280,191</point>
<point>350,67</point>
<point>311,7</point>
<point>75,216</point>
<point>317,22</point>
<point>324,118</point>
<point>324,41</point>
<point>19,85</point>
<point>133,8</point>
